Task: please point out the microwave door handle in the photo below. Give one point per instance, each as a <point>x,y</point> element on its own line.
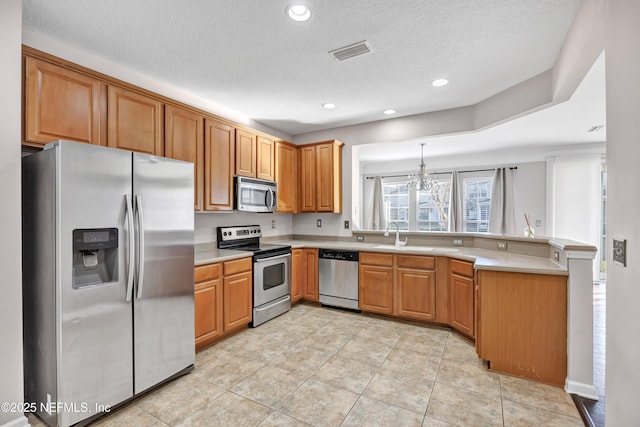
<point>273,198</point>
<point>267,194</point>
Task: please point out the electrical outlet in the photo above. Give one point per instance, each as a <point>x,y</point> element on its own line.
<point>319,223</point>
<point>273,223</point>
<point>456,242</point>
<point>502,246</point>
<point>346,225</point>
<point>360,238</point>
<point>556,255</point>
<point>620,252</point>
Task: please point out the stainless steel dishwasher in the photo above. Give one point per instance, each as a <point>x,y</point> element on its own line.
<point>338,276</point>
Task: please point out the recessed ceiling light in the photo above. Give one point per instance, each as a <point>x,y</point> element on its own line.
<point>328,105</point>
<point>439,82</point>
<point>390,111</point>
<point>299,12</point>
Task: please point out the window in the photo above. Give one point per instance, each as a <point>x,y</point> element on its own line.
<point>417,210</point>
<point>476,192</point>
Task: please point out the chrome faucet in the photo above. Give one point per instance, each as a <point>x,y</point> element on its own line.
<point>398,242</point>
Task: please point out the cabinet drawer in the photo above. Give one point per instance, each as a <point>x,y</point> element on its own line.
<point>237,266</point>
<point>418,262</point>
<point>207,272</point>
<point>463,268</point>
<point>376,259</point>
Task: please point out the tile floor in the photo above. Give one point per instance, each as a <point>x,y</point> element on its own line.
<point>325,367</point>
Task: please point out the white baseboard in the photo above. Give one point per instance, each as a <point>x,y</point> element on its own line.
<point>581,389</point>
<point>21,421</point>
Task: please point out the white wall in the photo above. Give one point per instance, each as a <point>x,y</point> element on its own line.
<point>206,223</point>
<point>623,200</point>
<point>575,203</point>
<point>11,376</point>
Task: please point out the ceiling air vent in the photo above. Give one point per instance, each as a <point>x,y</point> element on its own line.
<point>350,51</point>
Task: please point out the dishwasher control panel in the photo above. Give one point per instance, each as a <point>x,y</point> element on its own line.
<point>338,255</point>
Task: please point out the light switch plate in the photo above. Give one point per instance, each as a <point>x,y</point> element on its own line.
<point>360,238</point>
<point>346,225</point>
<point>502,246</point>
<point>620,252</point>
<point>319,223</point>
<point>456,242</point>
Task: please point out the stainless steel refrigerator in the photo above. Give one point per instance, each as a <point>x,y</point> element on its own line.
<point>107,277</point>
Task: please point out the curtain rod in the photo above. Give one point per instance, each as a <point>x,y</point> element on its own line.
<point>439,173</point>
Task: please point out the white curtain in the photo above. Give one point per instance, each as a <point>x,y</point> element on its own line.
<point>378,220</point>
<point>502,217</point>
<point>455,205</point>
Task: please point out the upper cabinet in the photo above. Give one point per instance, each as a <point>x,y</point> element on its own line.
<point>62,104</point>
<point>246,153</point>
<point>265,162</point>
<point>286,162</point>
<point>134,122</point>
<point>321,177</point>
<point>184,140</point>
<point>219,157</point>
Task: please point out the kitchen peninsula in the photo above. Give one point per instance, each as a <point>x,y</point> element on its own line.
<point>536,288</point>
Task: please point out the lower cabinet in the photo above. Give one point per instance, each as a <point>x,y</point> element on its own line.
<point>461,296</point>
<point>223,299</point>
<point>309,283</point>
<point>296,275</point>
<point>400,285</point>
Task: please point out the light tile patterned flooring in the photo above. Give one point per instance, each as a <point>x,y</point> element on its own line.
<point>325,367</point>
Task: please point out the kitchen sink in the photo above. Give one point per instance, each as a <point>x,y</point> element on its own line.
<point>415,248</point>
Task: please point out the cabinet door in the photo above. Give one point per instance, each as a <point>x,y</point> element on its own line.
<point>461,296</point>
<point>237,300</point>
<point>310,272</point>
<point>245,153</point>
<point>184,140</point>
<point>324,178</point>
<point>376,289</point>
<point>265,166</point>
<point>308,179</point>
<point>61,104</point>
<point>135,122</point>
<point>287,177</point>
<point>208,312</point>
<point>296,275</point>
<point>415,295</point>
<point>219,158</point>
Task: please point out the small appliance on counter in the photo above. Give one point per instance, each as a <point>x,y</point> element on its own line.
<point>255,195</point>
<point>107,277</point>
<point>271,270</point>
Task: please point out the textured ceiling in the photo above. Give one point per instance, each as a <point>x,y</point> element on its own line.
<point>249,57</point>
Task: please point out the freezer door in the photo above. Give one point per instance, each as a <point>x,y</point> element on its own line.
<point>94,322</point>
<point>163,298</point>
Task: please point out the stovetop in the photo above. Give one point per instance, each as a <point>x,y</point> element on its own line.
<point>247,238</point>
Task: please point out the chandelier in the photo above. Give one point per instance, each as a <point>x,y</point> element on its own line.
<point>421,180</point>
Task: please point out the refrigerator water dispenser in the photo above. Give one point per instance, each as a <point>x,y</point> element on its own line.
<point>95,256</point>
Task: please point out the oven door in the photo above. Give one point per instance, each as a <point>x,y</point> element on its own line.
<point>252,195</point>
<point>270,278</point>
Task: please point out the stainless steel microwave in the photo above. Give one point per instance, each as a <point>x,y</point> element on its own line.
<point>255,195</point>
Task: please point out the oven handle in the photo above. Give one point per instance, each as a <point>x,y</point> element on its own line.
<point>273,257</point>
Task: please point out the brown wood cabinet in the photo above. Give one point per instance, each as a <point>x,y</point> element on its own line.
<point>375,282</point>
<point>246,153</point>
<point>219,158</point>
<point>208,304</point>
<point>184,140</point>
<point>415,287</point>
<point>461,296</point>
<point>62,104</point>
<point>310,290</point>
<point>522,324</point>
<point>265,162</point>
<point>134,122</point>
<point>286,162</point>
<point>297,281</point>
<point>321,177</point>
<point>223,295</point>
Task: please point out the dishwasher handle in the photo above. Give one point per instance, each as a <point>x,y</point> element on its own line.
<point>338,255</point>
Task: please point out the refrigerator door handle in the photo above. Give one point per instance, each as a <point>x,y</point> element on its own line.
<point>132,242</point>
<point>140,245</point>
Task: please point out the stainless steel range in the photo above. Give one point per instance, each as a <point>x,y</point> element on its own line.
<point>271,270</point>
